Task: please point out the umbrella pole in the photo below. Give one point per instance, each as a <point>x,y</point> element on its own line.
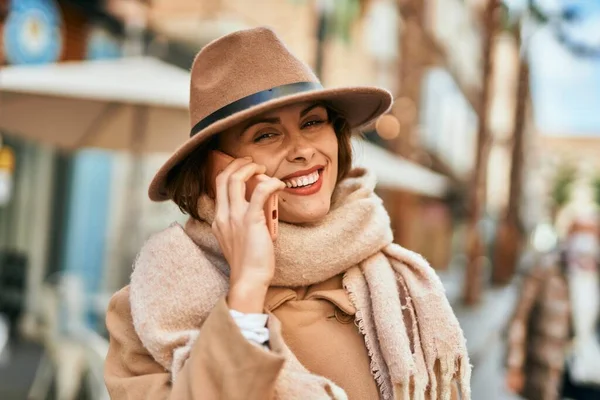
<point>131,233</point>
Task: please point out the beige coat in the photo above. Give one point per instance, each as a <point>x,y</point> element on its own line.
<point>316,323</point>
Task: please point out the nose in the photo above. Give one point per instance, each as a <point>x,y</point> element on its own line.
<point>300,150</point>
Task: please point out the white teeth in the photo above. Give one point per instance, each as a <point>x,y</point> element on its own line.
<point>303,180</point>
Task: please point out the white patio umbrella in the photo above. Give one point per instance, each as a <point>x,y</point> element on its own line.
<point>137,104</point>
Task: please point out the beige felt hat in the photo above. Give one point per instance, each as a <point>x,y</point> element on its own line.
<point>247,73</point>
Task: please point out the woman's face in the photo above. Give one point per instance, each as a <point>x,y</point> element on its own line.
<point>298,145</point>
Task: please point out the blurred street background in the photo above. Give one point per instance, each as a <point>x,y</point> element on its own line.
<point>492,144</point>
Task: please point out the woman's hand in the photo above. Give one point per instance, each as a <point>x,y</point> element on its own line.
<point>241,230</point>
<point>515,380</point>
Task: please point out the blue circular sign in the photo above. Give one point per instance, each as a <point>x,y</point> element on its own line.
<point>32,32</point>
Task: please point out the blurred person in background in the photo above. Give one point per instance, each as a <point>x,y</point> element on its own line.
<point>554,337</point>
<point>332,309</point>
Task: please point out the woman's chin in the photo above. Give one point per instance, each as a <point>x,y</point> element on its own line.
<point>304,217</point>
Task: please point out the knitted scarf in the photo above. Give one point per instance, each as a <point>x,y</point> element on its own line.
<point>179,277</point>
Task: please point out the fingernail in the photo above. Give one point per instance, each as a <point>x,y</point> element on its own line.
<point>248,158</point>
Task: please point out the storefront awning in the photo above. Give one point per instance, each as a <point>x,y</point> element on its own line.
<point>396,173</point>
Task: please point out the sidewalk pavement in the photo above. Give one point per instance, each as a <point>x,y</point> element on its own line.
<point>484,326</point>
<point>18,368</point>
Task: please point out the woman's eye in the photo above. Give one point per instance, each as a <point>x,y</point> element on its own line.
<point>313,122</point>
<point>264,136</point>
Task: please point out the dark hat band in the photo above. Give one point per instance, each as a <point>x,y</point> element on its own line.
<point>253,100</point>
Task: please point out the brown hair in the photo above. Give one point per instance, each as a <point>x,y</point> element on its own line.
<point>186,182</point>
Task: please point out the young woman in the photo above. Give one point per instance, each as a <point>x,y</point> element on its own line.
<point>331,309</point>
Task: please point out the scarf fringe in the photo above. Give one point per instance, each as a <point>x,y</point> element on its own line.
<point>402,391</point>
<point>420,392</point>
<point>464,378</point>
<point>381,377</point>
<point>444,375</point>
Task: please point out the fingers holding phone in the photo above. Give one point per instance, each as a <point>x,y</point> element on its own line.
<point>236,187</point>
<point>233,199</point>
<point>220,179</point>
<point>515,380</point>
<point>242,232</point>
<point>241,175</point>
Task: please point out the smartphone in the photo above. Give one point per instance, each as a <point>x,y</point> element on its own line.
<point>217,163</point>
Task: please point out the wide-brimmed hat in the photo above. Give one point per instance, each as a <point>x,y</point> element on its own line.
<point>247,73</point>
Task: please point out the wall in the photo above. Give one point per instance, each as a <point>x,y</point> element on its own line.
<point>347,62</point>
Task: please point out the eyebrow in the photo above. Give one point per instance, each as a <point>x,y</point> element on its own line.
<point>259,121</point>
<point>276,120</point>
<point>310,108</point>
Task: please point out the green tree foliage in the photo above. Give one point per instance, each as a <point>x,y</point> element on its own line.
<point>344,15</point>
<point>561,190</point>
<point>596,189</point>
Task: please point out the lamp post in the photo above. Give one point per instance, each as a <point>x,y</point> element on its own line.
<point>510,234</point>
<point>475,246</point>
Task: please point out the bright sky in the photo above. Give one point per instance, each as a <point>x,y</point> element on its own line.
<point>565,88</point>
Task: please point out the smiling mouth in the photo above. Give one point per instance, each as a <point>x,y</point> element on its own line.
<point>303,181</point>
<point>305,185</point>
